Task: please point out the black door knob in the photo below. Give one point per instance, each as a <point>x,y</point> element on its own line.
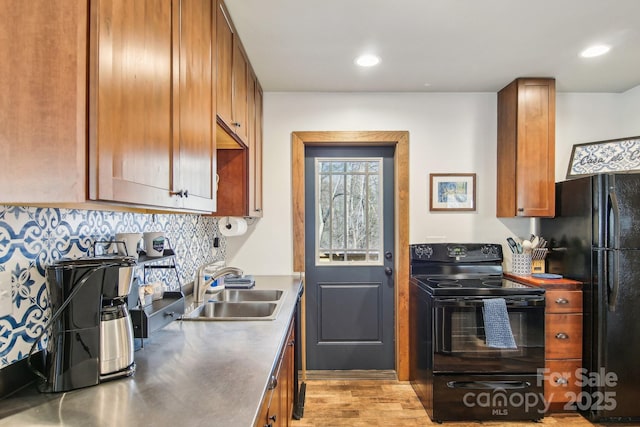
<point>388,271</point>
<point>388,255</point>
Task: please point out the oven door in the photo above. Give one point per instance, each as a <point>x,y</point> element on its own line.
<point>460,339</point>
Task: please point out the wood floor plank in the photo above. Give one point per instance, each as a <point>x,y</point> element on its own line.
<point>388,403</point>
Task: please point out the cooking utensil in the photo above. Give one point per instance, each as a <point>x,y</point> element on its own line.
<point>512,245</point>
<point>526,246</point>
<point>535,242</point>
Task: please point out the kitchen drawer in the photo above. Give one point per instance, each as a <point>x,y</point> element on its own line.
<point>563,301</point>
<point>563,336</point>
<point>561,383</point>
<point>155,316</point>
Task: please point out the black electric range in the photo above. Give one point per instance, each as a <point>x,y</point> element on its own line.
<point>458,303</point>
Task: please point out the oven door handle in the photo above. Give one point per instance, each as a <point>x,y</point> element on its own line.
<point>489,385</point>
<point>474,302</point>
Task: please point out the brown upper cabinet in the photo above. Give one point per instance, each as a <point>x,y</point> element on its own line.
<point>526,148</point>
<point>143,115</point>
<point>239,130</point>
<point>152,103</point>
<point>233,67</point>
<point>43,123</point>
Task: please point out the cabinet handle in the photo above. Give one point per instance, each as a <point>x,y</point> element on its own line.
<point>562,381</point>
<point>562,336</point>
<point>520,209</point>
<point>180,193</point>
<point>273,418</point>
<point>562,301</point>
<point>236,124</point>
<point>170,314</point>
<point>273,383</point>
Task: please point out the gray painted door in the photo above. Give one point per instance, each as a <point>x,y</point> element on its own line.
<point>349,281</point>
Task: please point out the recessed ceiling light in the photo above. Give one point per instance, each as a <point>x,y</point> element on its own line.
<point>595,50</point>
<point>367,60</point>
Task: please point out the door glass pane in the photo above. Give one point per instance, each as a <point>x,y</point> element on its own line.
<point>349,211</point>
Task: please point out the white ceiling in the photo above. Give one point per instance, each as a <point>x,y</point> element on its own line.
<point>453,45</point>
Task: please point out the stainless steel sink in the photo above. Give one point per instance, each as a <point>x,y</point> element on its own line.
<point>234,311</point>
<point>236,304</point>
<point>244,295</point>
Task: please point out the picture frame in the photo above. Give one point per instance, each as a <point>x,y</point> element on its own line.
<point>452,192</point>
<point>614,155</point>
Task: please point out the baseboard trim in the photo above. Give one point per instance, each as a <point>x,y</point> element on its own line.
<point>358,374</point>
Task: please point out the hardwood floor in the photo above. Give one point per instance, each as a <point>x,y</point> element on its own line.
<point>389,403</point>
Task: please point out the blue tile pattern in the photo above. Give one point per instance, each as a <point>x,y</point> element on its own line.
<point>31,238</point>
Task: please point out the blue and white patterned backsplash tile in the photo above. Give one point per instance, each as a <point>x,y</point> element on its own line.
<point>31,238</point>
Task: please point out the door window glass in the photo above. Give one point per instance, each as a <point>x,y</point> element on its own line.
<point>349,211</point>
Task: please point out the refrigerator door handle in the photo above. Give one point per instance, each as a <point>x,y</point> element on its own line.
<point>614,220</point>
<point>613,278</point>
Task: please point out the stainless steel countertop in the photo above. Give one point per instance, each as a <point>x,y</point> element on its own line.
<point>188,373</point>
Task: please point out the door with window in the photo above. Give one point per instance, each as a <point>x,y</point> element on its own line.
<point>349,238</point>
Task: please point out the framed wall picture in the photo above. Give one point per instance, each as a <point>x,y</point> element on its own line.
<point>452,192</point>
<point>616,155</point>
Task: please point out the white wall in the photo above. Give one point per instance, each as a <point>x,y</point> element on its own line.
<point>448,133</point>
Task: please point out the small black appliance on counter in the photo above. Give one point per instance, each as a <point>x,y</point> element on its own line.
<point>90,339</point>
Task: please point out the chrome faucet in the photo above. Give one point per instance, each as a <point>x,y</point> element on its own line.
<point>200,285</point>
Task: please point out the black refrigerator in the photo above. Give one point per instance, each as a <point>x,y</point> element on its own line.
<point>595,238</point>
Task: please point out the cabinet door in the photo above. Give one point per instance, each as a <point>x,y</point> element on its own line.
<point>526,149</point>
<point>535,174</point>
<point>43,46</point>
<point>240,93</point>
<point>255,146</point>
<point>130,114</point>
<point>194,154</point>
<point>224,64</point>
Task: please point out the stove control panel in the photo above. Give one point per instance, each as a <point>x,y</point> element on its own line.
<point>456,252</point>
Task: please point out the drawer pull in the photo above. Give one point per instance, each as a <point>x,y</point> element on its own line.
<point>562,381</point>
<point>562,301</point>
<point>562,336</point>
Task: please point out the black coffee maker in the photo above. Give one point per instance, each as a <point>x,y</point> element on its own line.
<point>91,335</point>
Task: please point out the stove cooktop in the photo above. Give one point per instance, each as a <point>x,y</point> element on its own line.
<point>487,285</point>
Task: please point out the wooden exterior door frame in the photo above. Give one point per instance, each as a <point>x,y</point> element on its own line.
<point>399,139</point>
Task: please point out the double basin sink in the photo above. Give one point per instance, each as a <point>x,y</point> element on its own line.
<point>238,304</point>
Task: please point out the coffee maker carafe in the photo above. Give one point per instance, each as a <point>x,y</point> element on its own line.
<point>91,335</point>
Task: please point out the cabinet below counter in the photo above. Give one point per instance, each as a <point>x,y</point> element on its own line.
<point>563,338</point>
<point>188,373</point>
